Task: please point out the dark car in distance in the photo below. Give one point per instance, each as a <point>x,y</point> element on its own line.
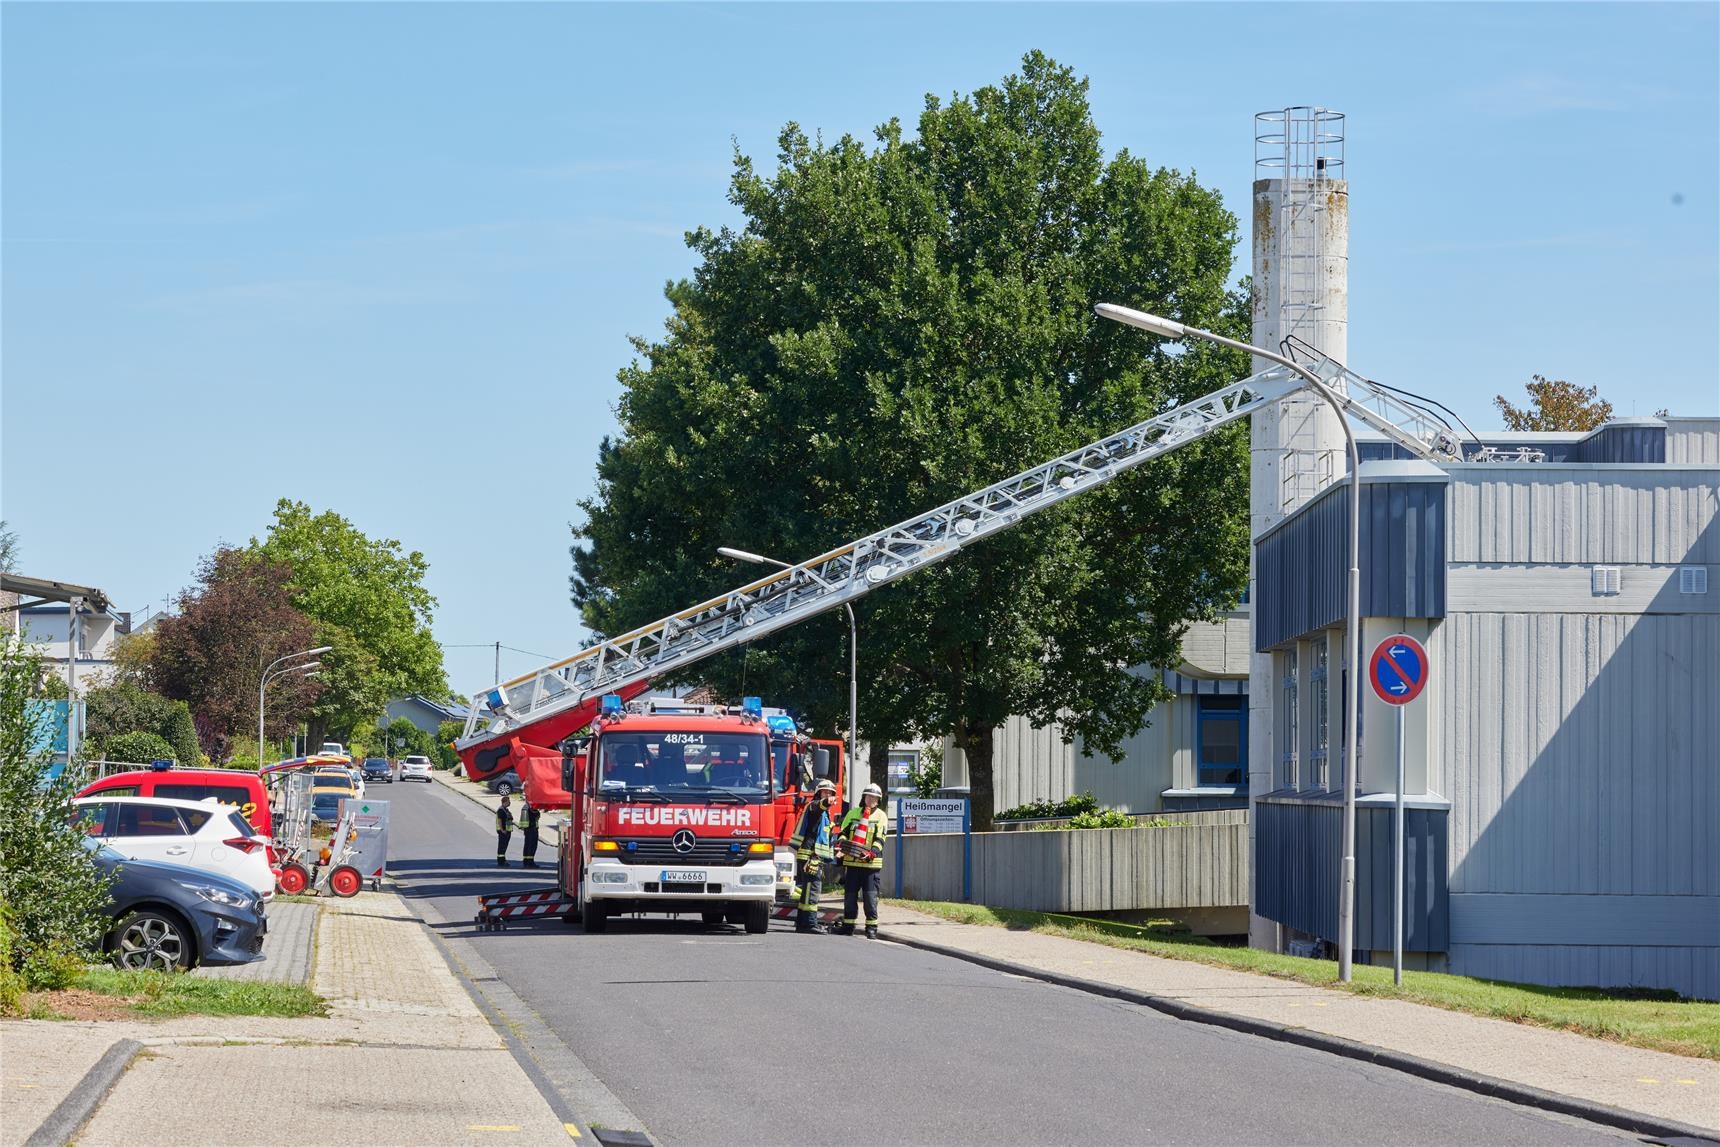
<point>171,918</point>
<point>504,783</point>
<point>378,769</point>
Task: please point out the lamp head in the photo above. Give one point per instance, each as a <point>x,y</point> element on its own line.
<point>1130,317</point>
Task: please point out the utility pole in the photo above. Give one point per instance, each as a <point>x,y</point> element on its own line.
<point>498,676</point>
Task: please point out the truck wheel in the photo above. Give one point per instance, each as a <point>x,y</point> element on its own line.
<point>711,917</point>
<point>596,916</point>
<point>757,916</point>
<point>735,916</point>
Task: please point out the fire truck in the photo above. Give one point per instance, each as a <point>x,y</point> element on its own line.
<point>524,723</point>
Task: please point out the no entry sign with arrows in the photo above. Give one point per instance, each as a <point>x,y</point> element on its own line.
<point>1398,669</point>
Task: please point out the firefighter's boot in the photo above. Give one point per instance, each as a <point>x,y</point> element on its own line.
<point>846,929</point>
<point>871,931</point>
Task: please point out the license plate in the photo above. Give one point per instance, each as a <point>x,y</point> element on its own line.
<point>682,877</point>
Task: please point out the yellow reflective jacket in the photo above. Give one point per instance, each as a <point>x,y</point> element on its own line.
<point>867,831</point>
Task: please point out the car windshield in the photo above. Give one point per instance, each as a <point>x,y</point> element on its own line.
<point>681,766</point>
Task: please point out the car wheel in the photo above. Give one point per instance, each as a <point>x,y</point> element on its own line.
<point>504,788</point>
<point>153,940</point>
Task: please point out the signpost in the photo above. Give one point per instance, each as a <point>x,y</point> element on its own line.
<point>942,815</point>
<point>1398,670</point>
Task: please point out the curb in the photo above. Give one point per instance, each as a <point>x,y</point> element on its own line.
<point>1491,1086</point>
<point>75,1109</point>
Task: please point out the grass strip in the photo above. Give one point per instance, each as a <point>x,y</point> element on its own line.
<point>1659,1021</point>
<point>160,994</point>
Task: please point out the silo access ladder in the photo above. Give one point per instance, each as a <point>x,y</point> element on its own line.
<point>793,595</point>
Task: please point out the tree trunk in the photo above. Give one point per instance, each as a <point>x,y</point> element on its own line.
<point>877,767</point>
<point>975,742</point>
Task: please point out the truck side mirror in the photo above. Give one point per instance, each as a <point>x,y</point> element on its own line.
<point>821,764</point>
<point>567,773</point>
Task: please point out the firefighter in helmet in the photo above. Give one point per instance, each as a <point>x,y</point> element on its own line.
<point>861,843</point>
<point>504,831</point>
<point>813,853</point>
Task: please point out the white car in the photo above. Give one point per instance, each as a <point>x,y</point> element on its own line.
<point>206,835</point>
<point>415,768</point>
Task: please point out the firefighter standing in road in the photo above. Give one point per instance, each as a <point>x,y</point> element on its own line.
<point>813,852</point>
<point>504,831</point>
<point>861,842</point>
<point>529,822</point>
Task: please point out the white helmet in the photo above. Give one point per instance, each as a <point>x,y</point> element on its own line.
<point>824,786</point>
<point>873,791</point>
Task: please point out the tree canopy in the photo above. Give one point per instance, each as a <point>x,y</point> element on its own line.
<point>369,601</point>
<point>894,326</point>
<point>1555,404</point>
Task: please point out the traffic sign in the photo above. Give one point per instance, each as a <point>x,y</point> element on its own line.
<point>1398,669</point>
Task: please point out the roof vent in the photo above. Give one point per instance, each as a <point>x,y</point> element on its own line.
<point>1693,579</point>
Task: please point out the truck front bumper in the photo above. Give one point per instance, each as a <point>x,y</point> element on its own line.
<point>654,888</point>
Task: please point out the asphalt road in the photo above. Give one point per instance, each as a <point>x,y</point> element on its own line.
<point>710,1035</point>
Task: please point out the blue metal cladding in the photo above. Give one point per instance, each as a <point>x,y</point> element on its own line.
<point>1302,565</point>
<point>1626,443</point>
<point>1299,849</point>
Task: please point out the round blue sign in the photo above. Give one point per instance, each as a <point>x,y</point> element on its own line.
<point>1398,669</point>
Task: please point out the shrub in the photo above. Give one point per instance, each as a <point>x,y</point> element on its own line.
<point>55,896</point>
<point>141,748</point>
<point>1110,818</point>
<point>11,983</point>
<point>1036,810</point>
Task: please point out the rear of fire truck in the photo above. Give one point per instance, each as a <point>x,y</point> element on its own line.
<point>674,811</point>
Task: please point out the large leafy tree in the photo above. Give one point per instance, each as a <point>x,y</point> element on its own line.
<point>368,598</point>
<point>230,626</point>
<point>125,708</point>
<point>894,326</point>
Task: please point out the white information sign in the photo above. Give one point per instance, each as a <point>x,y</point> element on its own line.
<point>931,815</point>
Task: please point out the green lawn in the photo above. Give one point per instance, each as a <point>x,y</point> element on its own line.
<point>1662,1023</point>
<point>164,994</point>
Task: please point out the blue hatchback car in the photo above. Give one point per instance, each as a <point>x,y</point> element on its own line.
<point>169,917</point>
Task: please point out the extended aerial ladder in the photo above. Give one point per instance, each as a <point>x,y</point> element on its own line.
<point>541,708</point>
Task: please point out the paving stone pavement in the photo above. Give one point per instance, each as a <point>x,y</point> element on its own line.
<point>403,1057</point>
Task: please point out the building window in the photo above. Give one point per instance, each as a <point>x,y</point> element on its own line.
<point>1289,761</point>
<point>1319,757</point>
<point>903,764</point>
<point>1221,741</point>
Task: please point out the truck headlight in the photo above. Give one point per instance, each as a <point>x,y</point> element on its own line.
<point>598,876</point>
<point>785,863</point>
<point>753,878</point>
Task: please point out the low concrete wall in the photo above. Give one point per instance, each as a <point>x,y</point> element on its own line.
<point>1202,862</point>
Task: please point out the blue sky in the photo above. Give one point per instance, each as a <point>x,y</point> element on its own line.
<point>386,258</point>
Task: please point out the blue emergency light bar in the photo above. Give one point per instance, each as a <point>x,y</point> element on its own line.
<point>612,704</point>
<point>160,766</point>
<point>496,699</point>
<point>752,706</point>
<point>781,723</point>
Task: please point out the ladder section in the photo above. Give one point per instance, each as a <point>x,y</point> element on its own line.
<point>792,595</point>
<point>1414,427</point>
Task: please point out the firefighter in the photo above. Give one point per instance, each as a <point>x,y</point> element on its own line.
<point>529,822</point>
<point>861,841</point>
<point>504,831</point>
<point>813,852</point>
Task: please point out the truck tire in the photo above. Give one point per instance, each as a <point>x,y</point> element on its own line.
<point>757,916</point>
<point>596,916</point>
<point>736,916</point>
<point>712,917</point>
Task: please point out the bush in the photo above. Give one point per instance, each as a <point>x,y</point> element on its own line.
<point>1110,818</point>
<point>141,748</point>
<point>11,983</point>
<point>55,898</point>
<point>1036,810</point>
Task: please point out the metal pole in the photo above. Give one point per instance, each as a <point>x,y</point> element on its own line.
<point>498,661</point>
<point>853,701</point>
<point>1165,328</point>
<point>1397,862</point>
<point>72,627</point>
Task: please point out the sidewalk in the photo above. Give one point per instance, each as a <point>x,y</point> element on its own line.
<point>1670,1089</point>
<point>404,1057</point>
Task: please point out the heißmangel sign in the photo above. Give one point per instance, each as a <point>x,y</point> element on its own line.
<point>931,815</point>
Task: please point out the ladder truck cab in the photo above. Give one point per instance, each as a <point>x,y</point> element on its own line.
<point>680,807</point>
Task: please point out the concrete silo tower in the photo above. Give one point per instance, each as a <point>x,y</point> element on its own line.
<point>1301,292</point>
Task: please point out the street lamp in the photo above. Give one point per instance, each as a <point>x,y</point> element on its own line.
<point>269,674</point>
<point>853,660</point>
<point>1167,328</point>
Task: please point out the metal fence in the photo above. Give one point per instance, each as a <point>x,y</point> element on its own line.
<point>1201,861</point>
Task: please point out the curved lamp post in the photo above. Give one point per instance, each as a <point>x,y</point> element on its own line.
<point>1167,328</point>
<point>269,674</point>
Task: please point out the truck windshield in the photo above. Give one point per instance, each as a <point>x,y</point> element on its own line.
<point>685,765</point>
